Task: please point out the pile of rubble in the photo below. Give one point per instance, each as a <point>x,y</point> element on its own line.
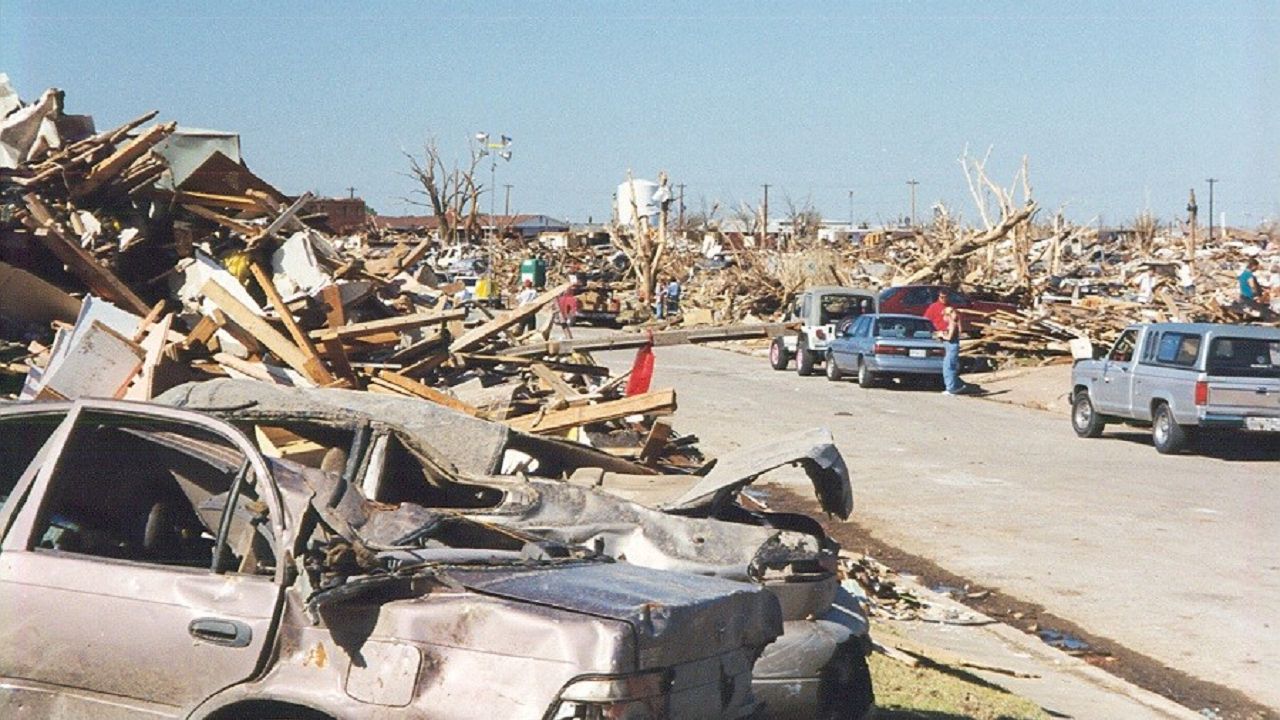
<point>159,259</point>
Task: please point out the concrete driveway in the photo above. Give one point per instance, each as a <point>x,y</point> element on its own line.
<point>1174,557</point>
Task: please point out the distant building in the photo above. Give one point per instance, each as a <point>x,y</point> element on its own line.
<point>525,227</point>
<point>342,215</point>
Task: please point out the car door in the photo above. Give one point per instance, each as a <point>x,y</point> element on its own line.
<point>842,347</point>
<point>138,573</point>
<point>1117,374</point>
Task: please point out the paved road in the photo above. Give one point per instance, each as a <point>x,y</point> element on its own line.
<point>1174,557</point>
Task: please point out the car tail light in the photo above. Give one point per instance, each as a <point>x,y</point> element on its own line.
<point>937,352</point>
<point>820,334</point>
<point>879,349</point>
<point>1202,392</point>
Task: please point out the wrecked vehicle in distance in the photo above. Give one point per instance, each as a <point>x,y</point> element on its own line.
<point>154,563</point>
<point>407,450</point>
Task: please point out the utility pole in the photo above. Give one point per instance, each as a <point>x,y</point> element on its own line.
<point>913,183</point>
<point>764,230</point>
<point>681,221</point>
<point>352,192</point>
<point>1211,181</point>
<point>1191,220</point>
<point>507,207</point>
<point>850,211</point>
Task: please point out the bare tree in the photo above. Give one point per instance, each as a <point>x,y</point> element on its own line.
<point>747,218</point>
<point>452,194</point>
<point>803,217</point>
<point>643,244</point>
<point>1144,231</point>
<point>706,217</point>
<point>1014,219</point>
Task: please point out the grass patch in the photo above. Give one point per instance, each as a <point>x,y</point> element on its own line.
<point>942,693</point>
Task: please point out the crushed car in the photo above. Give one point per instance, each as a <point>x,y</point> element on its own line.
<point>153,562</point>
<point>406,450</point>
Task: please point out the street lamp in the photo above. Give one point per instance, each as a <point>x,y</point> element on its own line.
<point>913,183</point>
<point>1211,181</point>
<point>499,149</point>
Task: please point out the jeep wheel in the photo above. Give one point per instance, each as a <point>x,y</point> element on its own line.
<point>1168,436</point>
<point>804,358</point>
<point>833,371</point>
<point>1085,420</point>
<point>778,358</point>
<point>866,378</point>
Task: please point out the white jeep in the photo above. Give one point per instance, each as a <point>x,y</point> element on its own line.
<point>822,312</point>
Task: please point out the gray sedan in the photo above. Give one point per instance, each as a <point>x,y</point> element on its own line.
<point>880,346</point>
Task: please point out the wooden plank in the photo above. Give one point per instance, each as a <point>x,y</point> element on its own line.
<point>426,392</point>
<point>557,384</point>
<point>335,315</point>
<point>281,220</point>
<point>204,329</point>
<point>337,356</point>
<point>392,324</point>
<point>142,387</point>
<point>299,337</point>
<point>219,218</point>
<point>623,341</point>
<point>657,402</point>
<point>655,442</point>
<point>506,320</point>
<point>98,279</point>
<point>121,158</point>
<point>261,330</point>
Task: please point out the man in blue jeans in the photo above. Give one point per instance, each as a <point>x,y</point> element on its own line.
<point>950,336</point>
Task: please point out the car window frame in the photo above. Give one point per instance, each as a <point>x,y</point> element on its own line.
<point>1133,349</point>
<point>25,537</point>
<point>1182,336</point>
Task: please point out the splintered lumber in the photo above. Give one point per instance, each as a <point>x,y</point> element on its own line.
<point>280,221</point>
<point>556,384</point>
<point>100,280</point>
<point>277,302</point>
<point>293,356</point>
<point>657,402</point>
<point>412,387</point>
<point>122,158</point>
<point>219,218</point>
<point>623,341</point>
<point>483,332</point>
<point>387,325</point>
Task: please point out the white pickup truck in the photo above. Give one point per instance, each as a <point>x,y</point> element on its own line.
<point>1181,378</point>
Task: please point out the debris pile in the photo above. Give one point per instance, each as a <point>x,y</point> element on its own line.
<point>158,258</point>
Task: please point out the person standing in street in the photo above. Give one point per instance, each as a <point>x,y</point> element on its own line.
<point>672,293</point>
<point>934,312</point>
<point>1250,290</point>
<point>527,295</point>
<point>950,336</point>
<point>567,308</point>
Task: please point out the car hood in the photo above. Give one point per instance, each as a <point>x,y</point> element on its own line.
<point>813,450</point>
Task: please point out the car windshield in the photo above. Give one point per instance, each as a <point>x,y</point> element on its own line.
<point>1244,357</point>
<point>841,307</point>
<point>904,328</point>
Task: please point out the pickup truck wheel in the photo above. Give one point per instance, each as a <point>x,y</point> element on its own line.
<point>866,378</point>
<point>1168,436</point>
<point>804,358</point>
<point>778,357</point>
<point>833,371</point>
<point>1085,420</point>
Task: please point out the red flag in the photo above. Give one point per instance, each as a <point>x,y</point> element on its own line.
<point>641,371</point>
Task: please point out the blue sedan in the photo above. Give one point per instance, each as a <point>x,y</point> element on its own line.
<point>881,346</point>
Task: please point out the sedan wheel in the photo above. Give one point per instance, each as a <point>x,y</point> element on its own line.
<point>866,378</point>
<point>833,371</point>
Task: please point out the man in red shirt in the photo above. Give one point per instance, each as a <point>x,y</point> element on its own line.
<point>934,312</point>
<point>567,308</point>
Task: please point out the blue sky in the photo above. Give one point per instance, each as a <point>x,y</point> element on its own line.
<point>1119,106</point>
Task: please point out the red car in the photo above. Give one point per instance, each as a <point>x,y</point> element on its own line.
<point>915,299</point>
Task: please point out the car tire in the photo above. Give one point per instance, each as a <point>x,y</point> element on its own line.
<point>833,370</point>
<point>804,358</point>
<point>778,357</point>
<point>1085,419</point>
<point>866,377</point>
<point>1167,435</point>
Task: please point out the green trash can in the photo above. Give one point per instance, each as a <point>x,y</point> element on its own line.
<point>534,269</point>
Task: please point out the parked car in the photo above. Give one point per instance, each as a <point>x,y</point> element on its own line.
<point>915,299</point>
<point>1181,379</point>
<point>154,563</point>
<point>822,312</point>
<point>881,346</point>
<point>406,450</point>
